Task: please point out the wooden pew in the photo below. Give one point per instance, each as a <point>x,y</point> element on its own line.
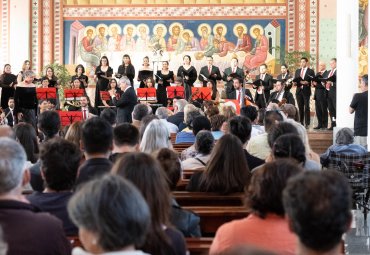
<point>180,146</point>
<point>198,246</point>
<point>185,198</point>
<point>187,173</point>
<point>212,217</point>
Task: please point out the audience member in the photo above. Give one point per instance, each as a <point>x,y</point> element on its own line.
<point>26,229</point>
<point>178,117</point>
<point>139,112</point>
<point>7,131</point>
<point>145,122</point>
<point>216,121</point>
<point>203,145</point>
<point>258,145</point>
<point>162,114</point>
<point>112,216</point>
<point>73,134</point>
<point>228,110</point>
<point>146,173</point>
<point>265,227</point>
<point>190,113</point>
<point>96,143</point>
<point>109,115</point>
<point>227,170</point>
<point>251,113</point>
<point>125,139</point>
<point>49,124</point>
<point>155,137</point>
<point>343,145</point>
<point>184,220</point>
<point>290,111</point>
<point>318,207</point>
<point>59,163</point>
<point>241,127</point>
<point>26,135</point>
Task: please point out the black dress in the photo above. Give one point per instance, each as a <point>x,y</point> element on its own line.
<point>5,80</point>
<point>25,101</point>
<point>191,73</point>
<point>128,71</point>
<point>102,83</point>
<point>161,89</point>
<point>52,82</point>
<point>143,75</point>
<point>81,78</point>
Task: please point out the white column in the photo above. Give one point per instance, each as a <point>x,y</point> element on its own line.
<point>19,27</point>
<point>347,60</point>
<point>368,105</point>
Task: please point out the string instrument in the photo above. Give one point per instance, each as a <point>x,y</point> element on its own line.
<point>3,117</point>
<point>282,102</point>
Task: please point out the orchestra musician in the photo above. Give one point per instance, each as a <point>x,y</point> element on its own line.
<point>215,94</point>
<point>303,92</point>
<point>113,87</point>
<point>230,73</point>
<point>126,69</point>
<point>321,104</point>
<point>281,94</point>
<point>9,112</point>
<point>240,93</point>
<point>209,72</point>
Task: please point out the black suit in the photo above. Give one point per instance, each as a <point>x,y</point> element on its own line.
<point>9,116</point>
<point>125,105</point>
<point>210,76</point>
<point>93,168</point>
<point>177,118</point>
<point>303,94</point>
<point>321,104</point>
<point>332,100</point>
<point>280,77</point>
<point>287,95</point>
<point>267,86</point>
<point>230,84</point>
<point>245,92</point>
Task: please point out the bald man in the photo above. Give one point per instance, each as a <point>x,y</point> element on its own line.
<point>6,131</point>
<point>321,104</point>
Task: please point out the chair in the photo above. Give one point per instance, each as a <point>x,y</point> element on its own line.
<point>356,168</point>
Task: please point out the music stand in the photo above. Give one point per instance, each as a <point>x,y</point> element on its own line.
<point>201,93</point>
<point>146,94</point>
<point>46,93</point>
<point>73,94</point>
<point>67,118</point>
<point>104,95</point>
<point>176,91</point>
<point>236,103</point>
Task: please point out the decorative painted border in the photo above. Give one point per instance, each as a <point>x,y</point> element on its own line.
<point>314,30</point>
<point>175,12</point>
<point>46,32</point>
<point>35,52</point>
<point>4,30</point>
<point>290,25</point>
<point>58,31</point>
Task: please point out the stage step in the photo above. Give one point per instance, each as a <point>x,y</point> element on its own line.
<point>320,141</point>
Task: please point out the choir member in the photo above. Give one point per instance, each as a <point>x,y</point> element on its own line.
<point>266,81</point>
<point>145,72</point>
<point>126,69</point>
<point>7,83</point>
<point>188,74</point>
<point>103,74</point>
<point>321,105</point>
<point>284,75</point>
<point>232,72</point>
<point>209,72</point>
<point>164,78</point>
<point>25,67</point>
<point>331,87</point>
<point>53,80</point>
<point>80,75</point>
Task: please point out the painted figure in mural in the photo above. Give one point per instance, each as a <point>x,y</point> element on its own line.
<point>173,42</point>
<point>188,41</point>
<point>157,42</point>
<point>206,40</point>
<point>100,41</point>
<point>142,42</point>
<point>115,38</point>
<point>88,52</point>
<point>258,55</point>
<point>223,45</point>
<point>127,41</point>
<point>363,20</point>
<point>244,42</point>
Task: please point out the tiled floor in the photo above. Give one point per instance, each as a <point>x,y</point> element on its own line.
<point>357,240</point>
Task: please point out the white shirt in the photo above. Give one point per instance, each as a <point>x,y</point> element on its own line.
<point>172,128</point>
<point>87,112</point>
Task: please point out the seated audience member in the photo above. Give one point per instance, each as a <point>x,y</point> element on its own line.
<point>216,122</point>
<point>60,160</point>
<point>252,113</point>
<point>318,207</point>
<point>302,132</point>
<point>203,145</point>
<point>48,125</point>
<point>241,127</point>
<point>139,112</point>
<point>162,114</point>
<point>186,135</point>
<point>291,146</point>
<point>112,216</point>
<point>228,110</point>
<point>26,135</point>
<point>265,227</point>
<point>73,134</point>
<point>185,221</point>
<point>211,110</point>
<point>109,115</point>
<point>190,113</point>
<point>343,145</point>
<point>155,137</point>
<point>227,170</point>
<point>258,145</point>
<point>245,250</point>
<point>96,143</point>
<point>7,131</point>
<point>145,122</point>
<point>26,229</point>
<point>261,117</point>
<point>178,117</point>
<point>290,111</point>
<point>199,123</point>
<point>125,139</point>
<point>146,174</point>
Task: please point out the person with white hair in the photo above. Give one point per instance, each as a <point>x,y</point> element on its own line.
<point>162,114</point>
<point>178,117</point>
<point>26,229</point>
<point>126,103</point>
<point>156,136</point>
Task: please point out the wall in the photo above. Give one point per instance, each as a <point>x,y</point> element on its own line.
<point>328,30</point>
